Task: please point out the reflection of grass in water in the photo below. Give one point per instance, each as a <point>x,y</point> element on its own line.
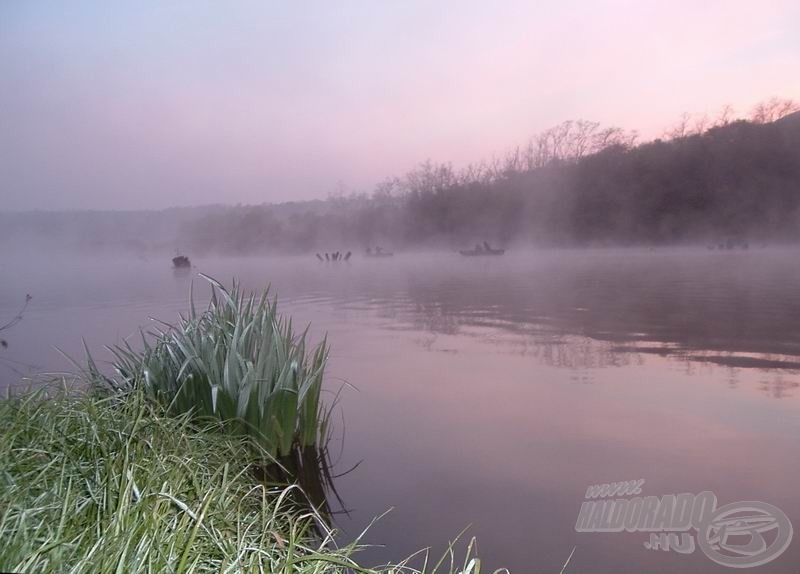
<point>309,468</point>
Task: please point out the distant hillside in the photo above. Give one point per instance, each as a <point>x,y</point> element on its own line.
<point>792,120</point>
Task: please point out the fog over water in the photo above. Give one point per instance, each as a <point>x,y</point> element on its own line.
<point>494,391</point>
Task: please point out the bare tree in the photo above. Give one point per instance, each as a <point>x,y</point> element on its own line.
<point>700,125</point>
<point>430,177</point>
<point>583,141</point>
<point>773,109</point>
<point>513,162</point>
<point>386,189</point>
<point>681,129</point>
<point>725,116</point>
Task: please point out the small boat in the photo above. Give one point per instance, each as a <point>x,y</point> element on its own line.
<point>484,249</point>
<point>378,252</point>
<point>478,252</point>
<point>181,262</point>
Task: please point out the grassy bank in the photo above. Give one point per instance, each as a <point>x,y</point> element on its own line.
<point>116,484</point>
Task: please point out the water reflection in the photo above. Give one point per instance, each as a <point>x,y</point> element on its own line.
<point>310,469</point>
<point>579,313</point>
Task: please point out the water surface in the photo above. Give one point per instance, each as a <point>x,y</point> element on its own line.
<point>493,392</point>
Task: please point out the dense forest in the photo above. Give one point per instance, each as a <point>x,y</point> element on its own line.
<point>576,184</point>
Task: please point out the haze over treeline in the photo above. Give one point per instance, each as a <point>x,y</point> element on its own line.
<point>578,183</point>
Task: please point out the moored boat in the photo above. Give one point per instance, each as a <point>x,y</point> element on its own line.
<point>378,252</point>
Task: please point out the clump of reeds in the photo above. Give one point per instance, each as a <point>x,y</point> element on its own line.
<point>237,361</point>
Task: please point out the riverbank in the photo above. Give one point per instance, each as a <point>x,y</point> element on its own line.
<point>105,484</point>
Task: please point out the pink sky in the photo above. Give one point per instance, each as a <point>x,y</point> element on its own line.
<point>135,104</point>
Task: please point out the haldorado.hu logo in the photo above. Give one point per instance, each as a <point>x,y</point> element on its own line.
<point>739,535</point>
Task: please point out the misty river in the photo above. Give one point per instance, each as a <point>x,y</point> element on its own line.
<point>493,391</point>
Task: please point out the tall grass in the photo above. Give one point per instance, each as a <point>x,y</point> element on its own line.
<point>113,484</point>
<point>238,361</point>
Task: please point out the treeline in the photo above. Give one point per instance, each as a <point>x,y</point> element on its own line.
<point>575,184</point>
<point>704,181</point>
